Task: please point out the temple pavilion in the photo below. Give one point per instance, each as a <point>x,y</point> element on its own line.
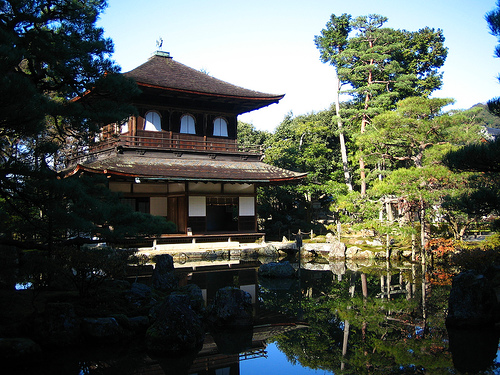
<point>179,156</point>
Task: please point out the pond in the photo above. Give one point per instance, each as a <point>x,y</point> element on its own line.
<point>349,318</point>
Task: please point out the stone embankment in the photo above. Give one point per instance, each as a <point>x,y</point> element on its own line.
<point>333,249</point>
<point>330,248</point>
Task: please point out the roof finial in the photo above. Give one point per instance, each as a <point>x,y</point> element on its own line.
<point>159,43</point>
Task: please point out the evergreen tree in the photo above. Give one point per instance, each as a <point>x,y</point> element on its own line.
<point>331,42</point>
<point>303,144</point>
<point>493,19</point>
<point>382,66</point>
<point>52,55</point>
<point>400,137</point>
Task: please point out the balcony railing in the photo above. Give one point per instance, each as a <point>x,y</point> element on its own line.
<point>168,141</point>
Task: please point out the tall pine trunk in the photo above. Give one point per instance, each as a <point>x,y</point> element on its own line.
<point>364,122</point>
<point>343,149</point>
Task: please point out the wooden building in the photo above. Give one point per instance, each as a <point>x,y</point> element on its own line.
<point>179,158</point>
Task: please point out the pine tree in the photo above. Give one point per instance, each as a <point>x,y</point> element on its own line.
<point>52,55</point>
<point>382,65</point>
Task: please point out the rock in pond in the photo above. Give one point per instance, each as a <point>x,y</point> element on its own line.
<point>472,301</point>
<point>163,276</point>
<point>231,307</point>
<point>195,296</point>
<point>176,329</point>
<point>277,270</point>
<point>355,252</point>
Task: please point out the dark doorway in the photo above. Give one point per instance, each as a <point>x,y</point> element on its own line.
<point>222,214</point>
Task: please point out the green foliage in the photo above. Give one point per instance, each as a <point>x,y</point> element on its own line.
<point>48,212</point>
<point>249,135</point>
<point>87,268</point>
<point>80,268</point>
<point>333,39</point>
<point>480,256</point>
<point>35,37</point>
<point>52,55</point>
<point>379,335</point>
<point>355,208</point>
<point>493,20</point>
<point>484,198</point>
<point>400,137</point>
<point>482,157</point>
<point>393,64</point>
<point>484,116</point>
<point>381,66</point>
<point>303,144</point>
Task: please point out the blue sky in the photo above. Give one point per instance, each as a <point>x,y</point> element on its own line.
<point>268,45</point>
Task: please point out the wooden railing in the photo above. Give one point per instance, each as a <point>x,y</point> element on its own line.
<point>171,141</point>
<point>165,141</point>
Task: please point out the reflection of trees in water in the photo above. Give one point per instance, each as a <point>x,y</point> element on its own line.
<point>381,320</point>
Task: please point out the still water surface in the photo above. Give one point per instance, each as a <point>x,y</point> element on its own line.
<point>337,318</point>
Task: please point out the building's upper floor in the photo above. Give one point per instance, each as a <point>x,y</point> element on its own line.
<point>181,108</point>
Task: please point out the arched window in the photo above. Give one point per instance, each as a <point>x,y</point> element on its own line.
<point>188,124</point>
<point>153,121</point>
<point>220,127</point>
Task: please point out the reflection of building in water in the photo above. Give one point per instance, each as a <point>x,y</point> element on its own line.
<point>211,361</point>
<point>217,356</point>
<point>215,360</point>
<point>211,276</point>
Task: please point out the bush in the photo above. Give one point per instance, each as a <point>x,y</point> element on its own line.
<point>440,248</point>
<point>484,255</point>
<point>87,268</point>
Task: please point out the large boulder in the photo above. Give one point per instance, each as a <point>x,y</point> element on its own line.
<point>277,270</point>
<point>473,349</point>
<point>331,250</point>
<point>164,263</point>
<point>195,296</point>
<point>337,250</point>
<point>268,251</point>
<point>139,295</point>
<point>231,307</point>
<point>472,301</point>
<point>163,276</point>
<point>177,328</point>
<point>355,252</point>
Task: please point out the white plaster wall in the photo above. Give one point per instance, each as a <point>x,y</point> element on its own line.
<point>197,206</point>
<point>247,206</point>
<point>202,187</point>
<point>239,188</point>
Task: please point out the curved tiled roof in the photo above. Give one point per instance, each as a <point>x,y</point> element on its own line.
<point>161,71</point>
<point>182,169</point>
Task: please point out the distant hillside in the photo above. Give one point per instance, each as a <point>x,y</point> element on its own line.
<point>486,117</point>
